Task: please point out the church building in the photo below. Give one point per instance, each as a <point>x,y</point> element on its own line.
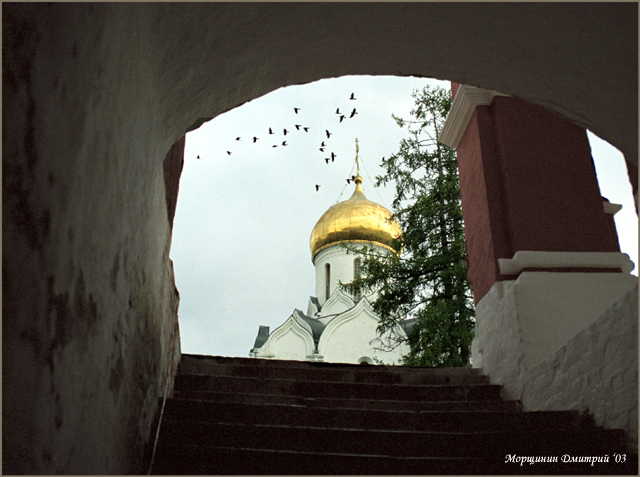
<point>338,326</point>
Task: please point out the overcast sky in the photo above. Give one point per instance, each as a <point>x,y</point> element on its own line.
<point>241,232</point>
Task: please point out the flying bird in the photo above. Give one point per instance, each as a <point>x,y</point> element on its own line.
<point>229,152</point>
<point>328,134</point>
<point>237,139</point>
<point>353,96</point>
<point>298,126</point>
<point>333,157</point>
<point>198,157</point>
<point>285,132</point>
<point>322,149</point>
<point>306,129</point>
<point>327,160</point>
<point>338,111</point>
<point>270,131</point>
<point>353,178</point>
<point>353,113</point>
<point>348,181</point>
<point>284,143</point>
<point>323,144</point>
<point>342,116</point>
<point>275,145</point>
<point>317,187</point>
<point>296,110</point>
<point>255,138</point>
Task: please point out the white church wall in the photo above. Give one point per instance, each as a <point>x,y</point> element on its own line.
<point>350,338</point>
<point>292,340</point>
<point>341,264</point>
<point>312,307</point>
<point>339,302</point>
<point>341,270</point>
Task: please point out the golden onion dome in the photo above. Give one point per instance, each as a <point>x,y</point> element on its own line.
<point>354,220</point>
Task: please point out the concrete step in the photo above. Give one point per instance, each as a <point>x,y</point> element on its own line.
<point>200,382</point>
<point>221,460</point>
<point>417,444</point>
<point>208,460</point>
<point>363,403</point>
<point>298,370</point>
<point>194,359</point>
<point>335,417</point>
<point>253,416</point>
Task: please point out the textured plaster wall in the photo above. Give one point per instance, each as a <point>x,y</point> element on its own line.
<point>96,94</point>
<point>519,323</point>
<point>89,302</point>
<point>497,344</point>
<point>595,372</point>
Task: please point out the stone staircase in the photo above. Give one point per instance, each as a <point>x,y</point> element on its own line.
<point>252,416</point>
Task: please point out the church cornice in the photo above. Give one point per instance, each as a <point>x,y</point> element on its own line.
<point>342,242</point>
<point>294,324</point>
<point>338,297</point>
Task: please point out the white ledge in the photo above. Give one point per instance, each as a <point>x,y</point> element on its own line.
<point>464,103</point>
<point>610,208</point>
<point>529,259</point>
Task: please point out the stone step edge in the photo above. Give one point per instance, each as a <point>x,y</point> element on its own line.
<point>338,454</point>
<point>284,364</point>
<point>408,412</point>
<point>631,457</point>
<point>345,400</point>
<point>321,382</point>
<point>332,389</point>
<point>490,443</point>
<point>471,427</point>
<point>452,465</point>
<point>426,434</point>
<point>333,376</point>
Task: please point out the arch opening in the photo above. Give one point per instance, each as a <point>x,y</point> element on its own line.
<point>243,219</point>
<point>229,206</point>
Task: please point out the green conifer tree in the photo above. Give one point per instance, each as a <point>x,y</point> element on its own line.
<point>426,283</point>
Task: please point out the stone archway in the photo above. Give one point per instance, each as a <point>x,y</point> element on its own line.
<point>96,94</point>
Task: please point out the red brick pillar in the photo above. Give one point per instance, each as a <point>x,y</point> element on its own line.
<point>544,259</point>
<point>527,183</point>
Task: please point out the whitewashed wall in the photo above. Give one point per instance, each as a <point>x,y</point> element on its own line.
<point>595,372</point>
<point>341,264</point>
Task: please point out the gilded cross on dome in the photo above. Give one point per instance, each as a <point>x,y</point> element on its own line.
<point>357,163</point>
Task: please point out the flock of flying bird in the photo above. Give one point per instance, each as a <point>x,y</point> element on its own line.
<point>300,127</point>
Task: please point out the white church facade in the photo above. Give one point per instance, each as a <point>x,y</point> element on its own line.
<point>339,327</point>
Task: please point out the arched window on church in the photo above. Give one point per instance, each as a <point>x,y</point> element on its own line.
<point>356,274</point>
<point>327,274</point>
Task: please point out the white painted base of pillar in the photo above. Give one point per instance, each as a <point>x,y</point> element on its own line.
<point>594,372</point>
<point>521,322</point>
